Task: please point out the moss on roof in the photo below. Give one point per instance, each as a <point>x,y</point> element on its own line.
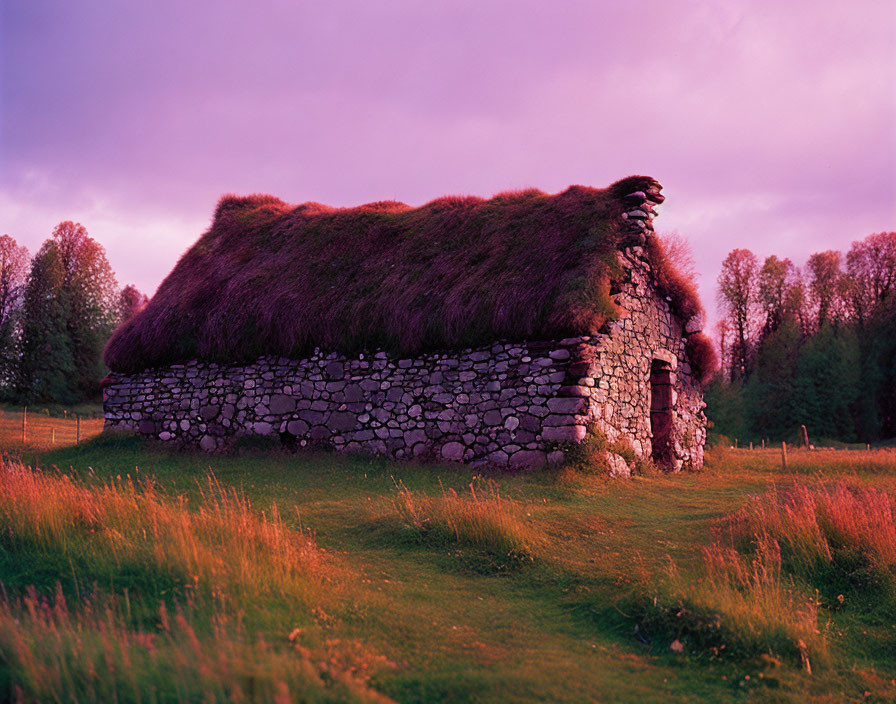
<point>269,278</point>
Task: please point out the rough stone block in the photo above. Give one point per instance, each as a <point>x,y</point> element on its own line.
<point>453,451</point>
<point>569,404</point>
<point>342,421</point>
<point>529,459</point>
<point>564,433</point>
<point>617,465</point>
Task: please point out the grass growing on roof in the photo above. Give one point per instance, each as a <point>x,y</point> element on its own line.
<point>269,278</point>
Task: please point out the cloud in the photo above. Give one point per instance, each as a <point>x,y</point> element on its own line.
<point>772,125</point>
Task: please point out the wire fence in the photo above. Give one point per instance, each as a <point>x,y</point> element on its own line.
<point>25,429</point>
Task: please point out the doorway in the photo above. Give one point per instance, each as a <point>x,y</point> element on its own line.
<point>661,413</point>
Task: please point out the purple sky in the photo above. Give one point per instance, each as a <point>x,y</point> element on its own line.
<point>772,125</point>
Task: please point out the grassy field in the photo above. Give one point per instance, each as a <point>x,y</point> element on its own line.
<point>44,429</point>
<point>131,573</point>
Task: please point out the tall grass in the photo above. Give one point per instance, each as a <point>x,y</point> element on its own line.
<point>737,605</point>
<point>208,565</point>
<point>94,654</point>
<point>832,534</point>
<point>482,519</point>
<point>755,593</point>
<point>220,543</point>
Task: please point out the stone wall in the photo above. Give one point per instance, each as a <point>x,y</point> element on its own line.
<point>509,404</point>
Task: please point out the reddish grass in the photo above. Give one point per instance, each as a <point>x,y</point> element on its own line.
<point>270,278</point>
<point>482,519</point>
<point>816,523</point>
<point>219,540</point>
<point>736,606</point>
<point>91,651</point>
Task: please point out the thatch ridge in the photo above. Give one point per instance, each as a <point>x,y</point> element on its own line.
<point>269,278</point>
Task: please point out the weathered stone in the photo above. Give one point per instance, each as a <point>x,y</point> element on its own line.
<point>297,427</point>
<point>319,432</point>
<point>493,418</point>
<point>281,404</point>
<point>453,451</point>
<point>312,417</point>
<point>580,391</point>
<point>498,457</point>
<point>208,443</point>
<point>564,433</point>
<point>617,465</point>
<point>208,413</point>
<point>530,459</point>
<point>342,421</point>
<point>558,420</point>
<point>412,437</point>
<point>570,404</point>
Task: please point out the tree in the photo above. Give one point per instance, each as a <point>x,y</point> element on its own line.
<point>776,278</point>
<point>825,285</point>
<point>92,294</point>
<point>770,394</point>
<point>827,383</point>
<point>737,299</point>
<point>47,366</point>
<point>871,272</point>
<point>72,281</point>
<point>130,302</point>
<point>13,265</point>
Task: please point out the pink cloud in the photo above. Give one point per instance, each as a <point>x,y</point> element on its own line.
<point>772,125</point>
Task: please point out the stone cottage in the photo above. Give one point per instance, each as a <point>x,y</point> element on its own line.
<point>498,331</point>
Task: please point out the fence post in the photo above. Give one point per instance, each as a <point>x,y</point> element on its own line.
<point>25,425</point>
<point>78,431</point>
<point>53,436</point>
<point>784,454</point>
<point>751,444</point>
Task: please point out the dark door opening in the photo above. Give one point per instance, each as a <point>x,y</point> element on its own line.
<point>661,412</point>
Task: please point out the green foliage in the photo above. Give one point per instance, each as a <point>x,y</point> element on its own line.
<point>826,354</point>
<point>47,365</point>
<point>69,311</point>
<point>726,407</point>
<point>827,383</point>
<point>770,395</point>
<point>876,403</point>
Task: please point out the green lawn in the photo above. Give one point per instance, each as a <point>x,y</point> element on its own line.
<point>547,586</point>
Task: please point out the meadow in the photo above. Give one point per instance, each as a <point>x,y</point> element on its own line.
<point>134,574</point>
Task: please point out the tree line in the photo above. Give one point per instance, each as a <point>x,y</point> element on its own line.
<point>813,346</point>
<point>57,309</point>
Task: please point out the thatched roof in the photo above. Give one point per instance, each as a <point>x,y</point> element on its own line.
<point>270,278</point>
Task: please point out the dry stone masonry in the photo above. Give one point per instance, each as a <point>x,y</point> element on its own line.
<point>510,404</point>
